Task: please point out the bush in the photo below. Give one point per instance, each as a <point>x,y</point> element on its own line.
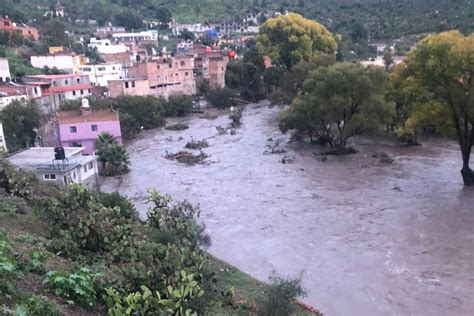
<point>76,288</point>
<point>16,182</point>
<point>221,98</point>
<point>35,305</point>
<point>281,297</point>
<point>187,157</point>
<point>8,264</point>
<point>177,127</point>
<point>82,224</point>
<point>178,105</point>
<point>35,261</point>
<point>115,199</point>
<point>200,144</point>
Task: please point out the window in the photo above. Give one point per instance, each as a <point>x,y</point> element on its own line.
<point>35,89</point>
<point>72,129</point>
<point>75,144</point>
<point>89,90</point>
<point>91,165</point>
<point>85,168</point>
<point>86,69</point>
<point>101,68</point>
<point>51,176</point>
<point>54,83</point>
<point>94,128</point>
<point>126,84</point>
<point>133,84</point>
<point>113,67</point>
<point>82,91</point>
<point>73,92</point>
<point>182,63</point>
<point>158,66</point>
<point>66,81</point>
<point>186,73</point>
<point>78,80</point>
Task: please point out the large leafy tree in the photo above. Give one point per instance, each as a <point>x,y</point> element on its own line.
<point>289,39</point>
<point>338,102</point>
<point>20,122</point>
<point>440,70</point>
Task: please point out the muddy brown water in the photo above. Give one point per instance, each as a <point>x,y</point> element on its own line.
<point>367,238</point>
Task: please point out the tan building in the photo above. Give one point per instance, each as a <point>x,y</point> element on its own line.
<point>160,78</point>
<point>217,68</point>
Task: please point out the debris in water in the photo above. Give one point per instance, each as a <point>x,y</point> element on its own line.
<point>197,144</point>
<point>221,130</point>
<point>177,127</point>
<point>187,157</point>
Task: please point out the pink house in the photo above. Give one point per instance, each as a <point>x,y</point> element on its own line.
<point>81,129</point>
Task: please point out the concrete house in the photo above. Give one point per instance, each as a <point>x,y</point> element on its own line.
<point>58,88</point>
<point>67,61</point>
<point>5,75</point>
<point>74,168</point>
<point>99,75</point>
<point>82,128</point>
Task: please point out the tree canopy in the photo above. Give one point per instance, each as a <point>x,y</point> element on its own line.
<point>289,39</point>
<point>338,102</point>
<point>438,86</point>
<point>20,120</point>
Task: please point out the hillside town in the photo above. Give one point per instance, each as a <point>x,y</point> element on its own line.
<point>255,157</point>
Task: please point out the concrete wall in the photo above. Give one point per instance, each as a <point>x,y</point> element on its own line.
<point>5,75</point>
<point>3,144</point>
<point>85,136</point>
<point>4,101</point>
<point>67,63</point>
<point>99,75</point>
<point>129,87</point>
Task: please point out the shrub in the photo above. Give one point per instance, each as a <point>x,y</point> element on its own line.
<point>35,305</point>
<point>235,116</point>
<point>177,127</point>
<point>35,261</point>
<point>200,144</point>
<point>186,157</point>
<point>178,105</point>
<point>81,223</point>
<point>8,264</point>
<point>76,288</point>
<point>115,199</point>
<point>15,182</point>
<point>221,98</point>
<point>281,297</point>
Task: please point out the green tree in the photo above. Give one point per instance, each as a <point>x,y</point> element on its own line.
<point>289,39</point>
<point>338,102</point>
<point>102,145</point>
<point>55,33</point>
<point>388,61</point>
<point>20,121</point>
<point>441,69</point>
<point>113,156</point>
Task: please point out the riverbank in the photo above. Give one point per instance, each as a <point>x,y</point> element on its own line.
<point>367,237</point>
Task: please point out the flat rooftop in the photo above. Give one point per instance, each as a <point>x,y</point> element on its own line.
<point>41,158</point>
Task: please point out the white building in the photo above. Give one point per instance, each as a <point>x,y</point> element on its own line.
<point>5,75</point>
<point>68,62</point>
<point>150,36</point>
<point>99,75</point>
<point>105,46</point>
<point>75,168</point>
<point>3,144</point>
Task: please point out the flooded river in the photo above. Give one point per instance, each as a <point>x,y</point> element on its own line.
<point>368,238</point>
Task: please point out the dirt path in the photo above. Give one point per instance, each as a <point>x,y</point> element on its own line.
<point>368,238</point>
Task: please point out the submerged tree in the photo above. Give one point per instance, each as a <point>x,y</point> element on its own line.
<point>441,70</point>
<point>289,39</point>
<point>113,156</point>
<point>338,102</point>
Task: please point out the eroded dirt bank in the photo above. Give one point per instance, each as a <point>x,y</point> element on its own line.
<point>367,237</point>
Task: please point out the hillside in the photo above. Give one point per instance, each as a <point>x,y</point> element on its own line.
<point>378,19</point>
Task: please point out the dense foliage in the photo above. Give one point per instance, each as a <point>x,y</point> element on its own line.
<point>289,39</point>
<point>338,102</point>
<point>113,156</point>
<point>20,122</point>
<point>435,89</point>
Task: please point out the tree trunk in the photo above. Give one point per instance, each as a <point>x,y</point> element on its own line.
<point>466,172</point>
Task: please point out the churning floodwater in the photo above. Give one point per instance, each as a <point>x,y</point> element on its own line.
<point>368,238</point>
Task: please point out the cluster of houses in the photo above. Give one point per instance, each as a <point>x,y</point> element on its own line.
<point>128,69</point>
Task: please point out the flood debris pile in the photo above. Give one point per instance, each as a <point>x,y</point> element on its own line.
<point>287,160</point>
<point>274,149</point>
<point>384,158</point>
<point>187,158</point>
<point>208,116</point>
<point>196,144</point>
<point>177,127</point>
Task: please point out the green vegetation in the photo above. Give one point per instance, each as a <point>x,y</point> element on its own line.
<point>289,39</point>
<point>113,156</point>
<point>221,98</point>
<point>338,102</point>
<point>177,127</point>
<point>20,65</point>
<point>435,90</point>
<point>102,260</point>
<point>20,121</point>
